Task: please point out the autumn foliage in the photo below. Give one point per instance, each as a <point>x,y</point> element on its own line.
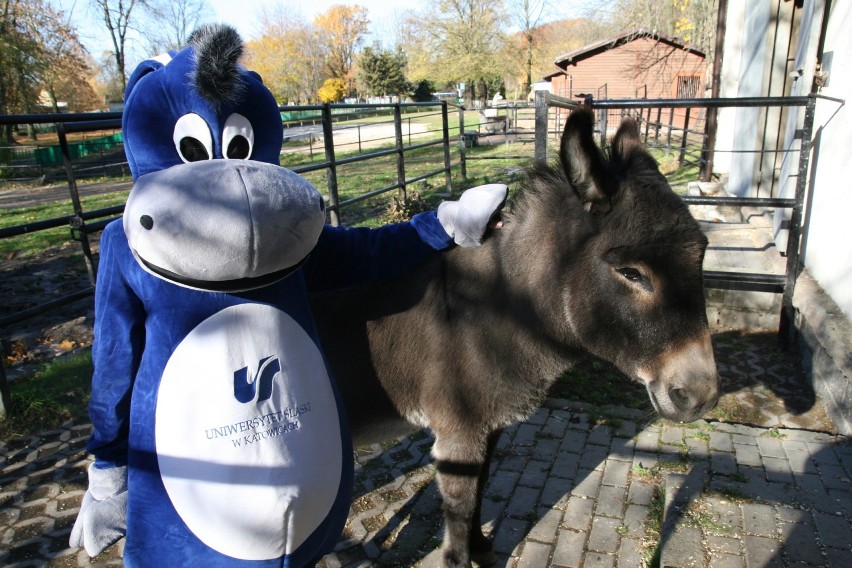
<point>333,90</point>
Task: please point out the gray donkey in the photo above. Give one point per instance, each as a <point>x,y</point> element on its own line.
<point>596,255</point>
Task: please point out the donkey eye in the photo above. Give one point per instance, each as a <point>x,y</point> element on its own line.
<point>192,138</point>
<point>237,137</point>
<point>636,278</point>
<point>630,273</point>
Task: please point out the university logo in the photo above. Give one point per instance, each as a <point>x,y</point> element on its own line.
<point>247,387</point>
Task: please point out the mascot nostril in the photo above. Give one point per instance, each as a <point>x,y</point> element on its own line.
<point>215,420</point>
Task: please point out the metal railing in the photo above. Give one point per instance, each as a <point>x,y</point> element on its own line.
<point>83,223</point>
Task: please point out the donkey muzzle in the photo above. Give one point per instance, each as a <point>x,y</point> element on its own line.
<point>682,382</point>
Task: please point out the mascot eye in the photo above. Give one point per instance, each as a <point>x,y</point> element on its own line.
<point>237,137</point>
<point>193,139</point>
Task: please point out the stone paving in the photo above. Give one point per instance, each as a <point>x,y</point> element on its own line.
<point>563,492</point>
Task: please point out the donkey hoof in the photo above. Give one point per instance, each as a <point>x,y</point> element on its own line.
<point>482,551</point>
<point>452,560</point>
<point>484,558</point>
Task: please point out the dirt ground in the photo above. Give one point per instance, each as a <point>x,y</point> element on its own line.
<point>33,281</point>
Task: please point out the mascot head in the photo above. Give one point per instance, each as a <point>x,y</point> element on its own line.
<point>210,207</point>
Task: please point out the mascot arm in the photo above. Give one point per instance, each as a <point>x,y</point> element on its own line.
<point>353,257</point>
<point>119,318</point>
<point>117,350</point>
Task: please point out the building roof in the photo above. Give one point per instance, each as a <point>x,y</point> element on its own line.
<point>572,57</point>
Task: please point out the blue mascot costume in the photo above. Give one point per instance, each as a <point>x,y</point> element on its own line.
<point>219,437</point>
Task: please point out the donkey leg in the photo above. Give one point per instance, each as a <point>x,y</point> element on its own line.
<point>459,463</point>
<point>481,548</point>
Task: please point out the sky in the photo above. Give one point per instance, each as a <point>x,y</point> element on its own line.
<point>244,15</point>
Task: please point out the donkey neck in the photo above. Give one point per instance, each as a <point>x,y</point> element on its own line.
<point>519,274</point>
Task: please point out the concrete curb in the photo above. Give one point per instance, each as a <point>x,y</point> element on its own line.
<point>825,340</point>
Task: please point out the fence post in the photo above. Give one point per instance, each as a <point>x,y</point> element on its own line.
<point>78,226</point>
<point>685,137</point>
<point>541,126</point>
<point>671,126</point>
<point>400,154</point>
<point>657,126</point>
<point>462,148</point>
<point>331,172</point>
<point>445,126</point>
<point>786,327</point>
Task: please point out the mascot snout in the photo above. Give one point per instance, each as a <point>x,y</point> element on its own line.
<point>223,225</point>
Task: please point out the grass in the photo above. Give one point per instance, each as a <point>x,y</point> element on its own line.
<point>653,528</point>
<point>655,474</point>
<point>677,175</point>
<point>58,392</point>
<point>35,242</point>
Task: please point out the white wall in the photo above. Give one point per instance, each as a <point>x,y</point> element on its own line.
<point>729,85</point>
<point>828,249</point>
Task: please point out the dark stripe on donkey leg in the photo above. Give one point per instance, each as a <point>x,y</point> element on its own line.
<point>462,469</point>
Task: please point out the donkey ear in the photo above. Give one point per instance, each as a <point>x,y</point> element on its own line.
<point>584,163</point>
<point>626,141</point>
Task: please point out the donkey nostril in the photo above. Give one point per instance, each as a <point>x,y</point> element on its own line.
<point>680,398</point>
<point>147,222</point>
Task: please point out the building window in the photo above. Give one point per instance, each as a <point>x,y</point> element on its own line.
<point>688,87</point>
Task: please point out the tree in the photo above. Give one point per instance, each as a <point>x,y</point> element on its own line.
<point>40,53</point>
<point>173,22</point>
<point>332,90</point>
<point>21,58</point>
<point>288,56</point>
<point>693,21</point>
<point>549,41</point>
<point>527,15</point>
<point>460,41</point>
<point>341,31</point>
<point>117,16</point>
<point>423,91</point>
<point>69,79</point>
<point>109,85</point>
<point>382,72</point>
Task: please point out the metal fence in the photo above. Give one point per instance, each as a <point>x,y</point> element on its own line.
<point>676,125</point>
<point>323,139</point>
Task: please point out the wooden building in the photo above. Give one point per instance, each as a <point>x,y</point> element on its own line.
<point>635,64</point>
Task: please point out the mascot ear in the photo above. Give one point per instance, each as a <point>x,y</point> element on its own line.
<point>143,69</point>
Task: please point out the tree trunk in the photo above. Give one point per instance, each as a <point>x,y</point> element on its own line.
<point>6,133</point>
<point>529,62</point>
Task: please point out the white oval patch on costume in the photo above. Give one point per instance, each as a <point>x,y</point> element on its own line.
<point>251,479</point>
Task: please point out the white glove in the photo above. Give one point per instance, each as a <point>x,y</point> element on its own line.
<point>102,519</point>
<point>466,219</point>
